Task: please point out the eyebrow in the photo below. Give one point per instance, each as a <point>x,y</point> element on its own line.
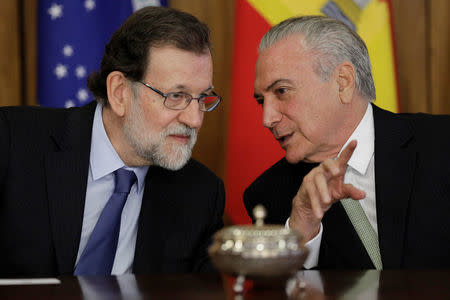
<point>208,89</point>
<point>183,87</point>
<point>256,95</point>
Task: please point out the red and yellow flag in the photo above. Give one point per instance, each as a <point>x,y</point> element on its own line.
<point>251,148</point>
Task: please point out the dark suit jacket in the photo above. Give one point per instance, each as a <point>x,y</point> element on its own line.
<point>412,186</point>
<point>44,163</point>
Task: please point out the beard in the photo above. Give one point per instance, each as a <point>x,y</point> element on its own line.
<point>155,147</point>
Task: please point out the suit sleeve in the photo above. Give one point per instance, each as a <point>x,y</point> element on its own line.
<point>4,147</point>
<point>202,262</point>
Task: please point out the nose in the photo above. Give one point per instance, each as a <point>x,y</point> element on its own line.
<point>192,116</point>
<point>271,114</point>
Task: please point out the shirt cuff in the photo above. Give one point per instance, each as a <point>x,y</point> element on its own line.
<point>314,248</point>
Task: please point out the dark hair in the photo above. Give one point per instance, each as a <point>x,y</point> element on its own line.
<point>128,49</point>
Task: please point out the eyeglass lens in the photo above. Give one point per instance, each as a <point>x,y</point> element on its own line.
<point>181,101</point>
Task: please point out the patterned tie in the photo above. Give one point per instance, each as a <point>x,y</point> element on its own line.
<point>364,230</point>
<point>98,255</point>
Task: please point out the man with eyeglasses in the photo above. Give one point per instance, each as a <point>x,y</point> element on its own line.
<point>110,188</point>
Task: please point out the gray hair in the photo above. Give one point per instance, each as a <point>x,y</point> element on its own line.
<point>332,42</point>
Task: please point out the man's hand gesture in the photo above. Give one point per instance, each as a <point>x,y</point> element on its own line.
<point>322,187</point>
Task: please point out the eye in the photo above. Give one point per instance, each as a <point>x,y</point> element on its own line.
<point>281,91</point>
<point>260,100</point>
<point>177,96</point>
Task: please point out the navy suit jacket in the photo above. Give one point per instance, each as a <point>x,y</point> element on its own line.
<point>44,163</point>
<point>412,187</point>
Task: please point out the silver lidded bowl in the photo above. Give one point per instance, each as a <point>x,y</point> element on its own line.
<point>258,251</point>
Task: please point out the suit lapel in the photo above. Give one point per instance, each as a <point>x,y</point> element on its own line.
<point>66,173</point>
<point>395,158</point>
<point>165,212</point>
<point>147,251</point>
<point>341,240</point>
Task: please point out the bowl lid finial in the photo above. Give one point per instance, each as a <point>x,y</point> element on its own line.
<point>259,213</point>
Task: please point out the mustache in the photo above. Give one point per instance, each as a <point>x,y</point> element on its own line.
<point>180,129</point>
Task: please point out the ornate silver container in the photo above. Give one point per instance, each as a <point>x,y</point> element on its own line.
<point>259,250</point>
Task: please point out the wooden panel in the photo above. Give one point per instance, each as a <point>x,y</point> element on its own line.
<point>439,55</point>
<point>30,49</point>
<point>10,91</point>
<point>411,52</point>
<point>218,15</point>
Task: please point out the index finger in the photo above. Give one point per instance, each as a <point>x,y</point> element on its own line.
<point>347,153</point>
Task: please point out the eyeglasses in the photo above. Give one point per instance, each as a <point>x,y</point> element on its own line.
<point>180,100</point>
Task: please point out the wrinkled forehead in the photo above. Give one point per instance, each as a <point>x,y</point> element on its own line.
<point>171,66</point>
<point>169,56</point>
<point>281,60</point>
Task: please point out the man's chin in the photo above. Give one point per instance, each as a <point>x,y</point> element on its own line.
<point>292,160</point>
<point>171,164</point>
<point>175,158</point>
<point>293,157</point>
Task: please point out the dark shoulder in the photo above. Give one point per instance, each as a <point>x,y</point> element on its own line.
<point>423,128</point>
<point>25,111</point>
<point>275,189</point>
<point>423,119</point>
<point>430,129</point>
<point>31,123</point>
<point>279,171</point>
<point>32,116</point>
<point>193,173</point>
<point>199,170</point>
<point>47,128</point>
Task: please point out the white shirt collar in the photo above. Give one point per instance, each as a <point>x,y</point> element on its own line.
<point>104,159</point>
<point>364,134</point>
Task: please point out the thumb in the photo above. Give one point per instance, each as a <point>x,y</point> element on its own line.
<point>352,192</point>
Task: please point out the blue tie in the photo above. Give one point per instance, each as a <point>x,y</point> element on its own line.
<point>98,255</point>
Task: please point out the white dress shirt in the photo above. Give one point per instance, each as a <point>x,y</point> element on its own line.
<point>103,161</point>
<point>360,173</point>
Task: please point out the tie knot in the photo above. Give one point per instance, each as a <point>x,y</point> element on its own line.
<point>124,179</point>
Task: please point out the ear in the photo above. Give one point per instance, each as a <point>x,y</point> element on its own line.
<point>345,75</point>
<point>119,93</point>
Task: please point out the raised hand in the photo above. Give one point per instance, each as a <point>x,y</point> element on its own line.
<point>322,187</point>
